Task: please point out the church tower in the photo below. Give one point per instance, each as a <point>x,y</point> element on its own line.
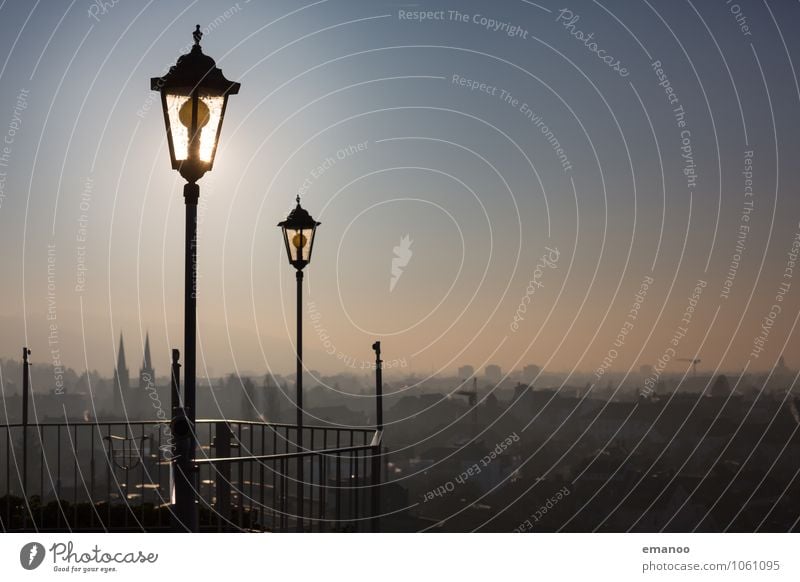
<point>147,384</point>
<point>147,376</point>
<point>122,380</point>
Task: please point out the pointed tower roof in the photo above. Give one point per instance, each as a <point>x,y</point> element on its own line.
<point>121,355</point>
<point>146,362</point>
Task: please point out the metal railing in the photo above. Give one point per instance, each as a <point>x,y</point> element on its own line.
<point>117,476</point>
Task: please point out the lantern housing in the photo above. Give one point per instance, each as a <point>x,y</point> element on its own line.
<point>298,235</point>
<point>194,95</point>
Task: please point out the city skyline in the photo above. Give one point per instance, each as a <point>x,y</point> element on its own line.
<point>492,373</point>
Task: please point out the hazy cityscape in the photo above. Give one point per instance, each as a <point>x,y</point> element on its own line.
<point>519,450</point>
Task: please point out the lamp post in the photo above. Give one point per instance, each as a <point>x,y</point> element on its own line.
<point>298,235</point>
<point>194,94</point>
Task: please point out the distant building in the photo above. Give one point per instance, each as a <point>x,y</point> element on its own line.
<point>248,401</point>
<point>271,409</point>
<point>466,372</point>
<point>645,370</point>
<point>530,372</point>
<point>781,370</point>
<point>491,404</point>
<point>721,386</point>
<point>493,373</point>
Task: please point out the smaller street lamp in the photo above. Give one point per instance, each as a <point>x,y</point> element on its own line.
<point>298,235</point>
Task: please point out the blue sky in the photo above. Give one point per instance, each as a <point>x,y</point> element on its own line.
<point>469,175</point>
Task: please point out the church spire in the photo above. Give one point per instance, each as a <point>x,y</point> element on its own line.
<point>121,379</point>
<point>121,366</point>
<point>147,376</point>
<point>146,363</point>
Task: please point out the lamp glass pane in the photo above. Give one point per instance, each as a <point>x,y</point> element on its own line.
<point>212,115</point>
<point>300,243</point>
<point>209,115</point>
<point>180,132</point>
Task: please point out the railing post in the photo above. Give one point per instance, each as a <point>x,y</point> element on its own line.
<point>378,386</point>
<point>222,449</point>
<point>175,384</point>
<point>26,388</point>
<point>175,404</point>
<point>376,450</point>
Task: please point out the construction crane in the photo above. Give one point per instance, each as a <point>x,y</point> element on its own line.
<point>693,361</point>
<point>472,399</point>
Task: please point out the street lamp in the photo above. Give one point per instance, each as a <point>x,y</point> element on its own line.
<point>298,235</point>
<point>194,94</point>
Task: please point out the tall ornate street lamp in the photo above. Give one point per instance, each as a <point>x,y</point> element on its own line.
<point>194,94</point>
<point>298,235</point>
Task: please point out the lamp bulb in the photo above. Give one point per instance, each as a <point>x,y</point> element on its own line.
<point>299,240</point>
<point>203,114</point>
